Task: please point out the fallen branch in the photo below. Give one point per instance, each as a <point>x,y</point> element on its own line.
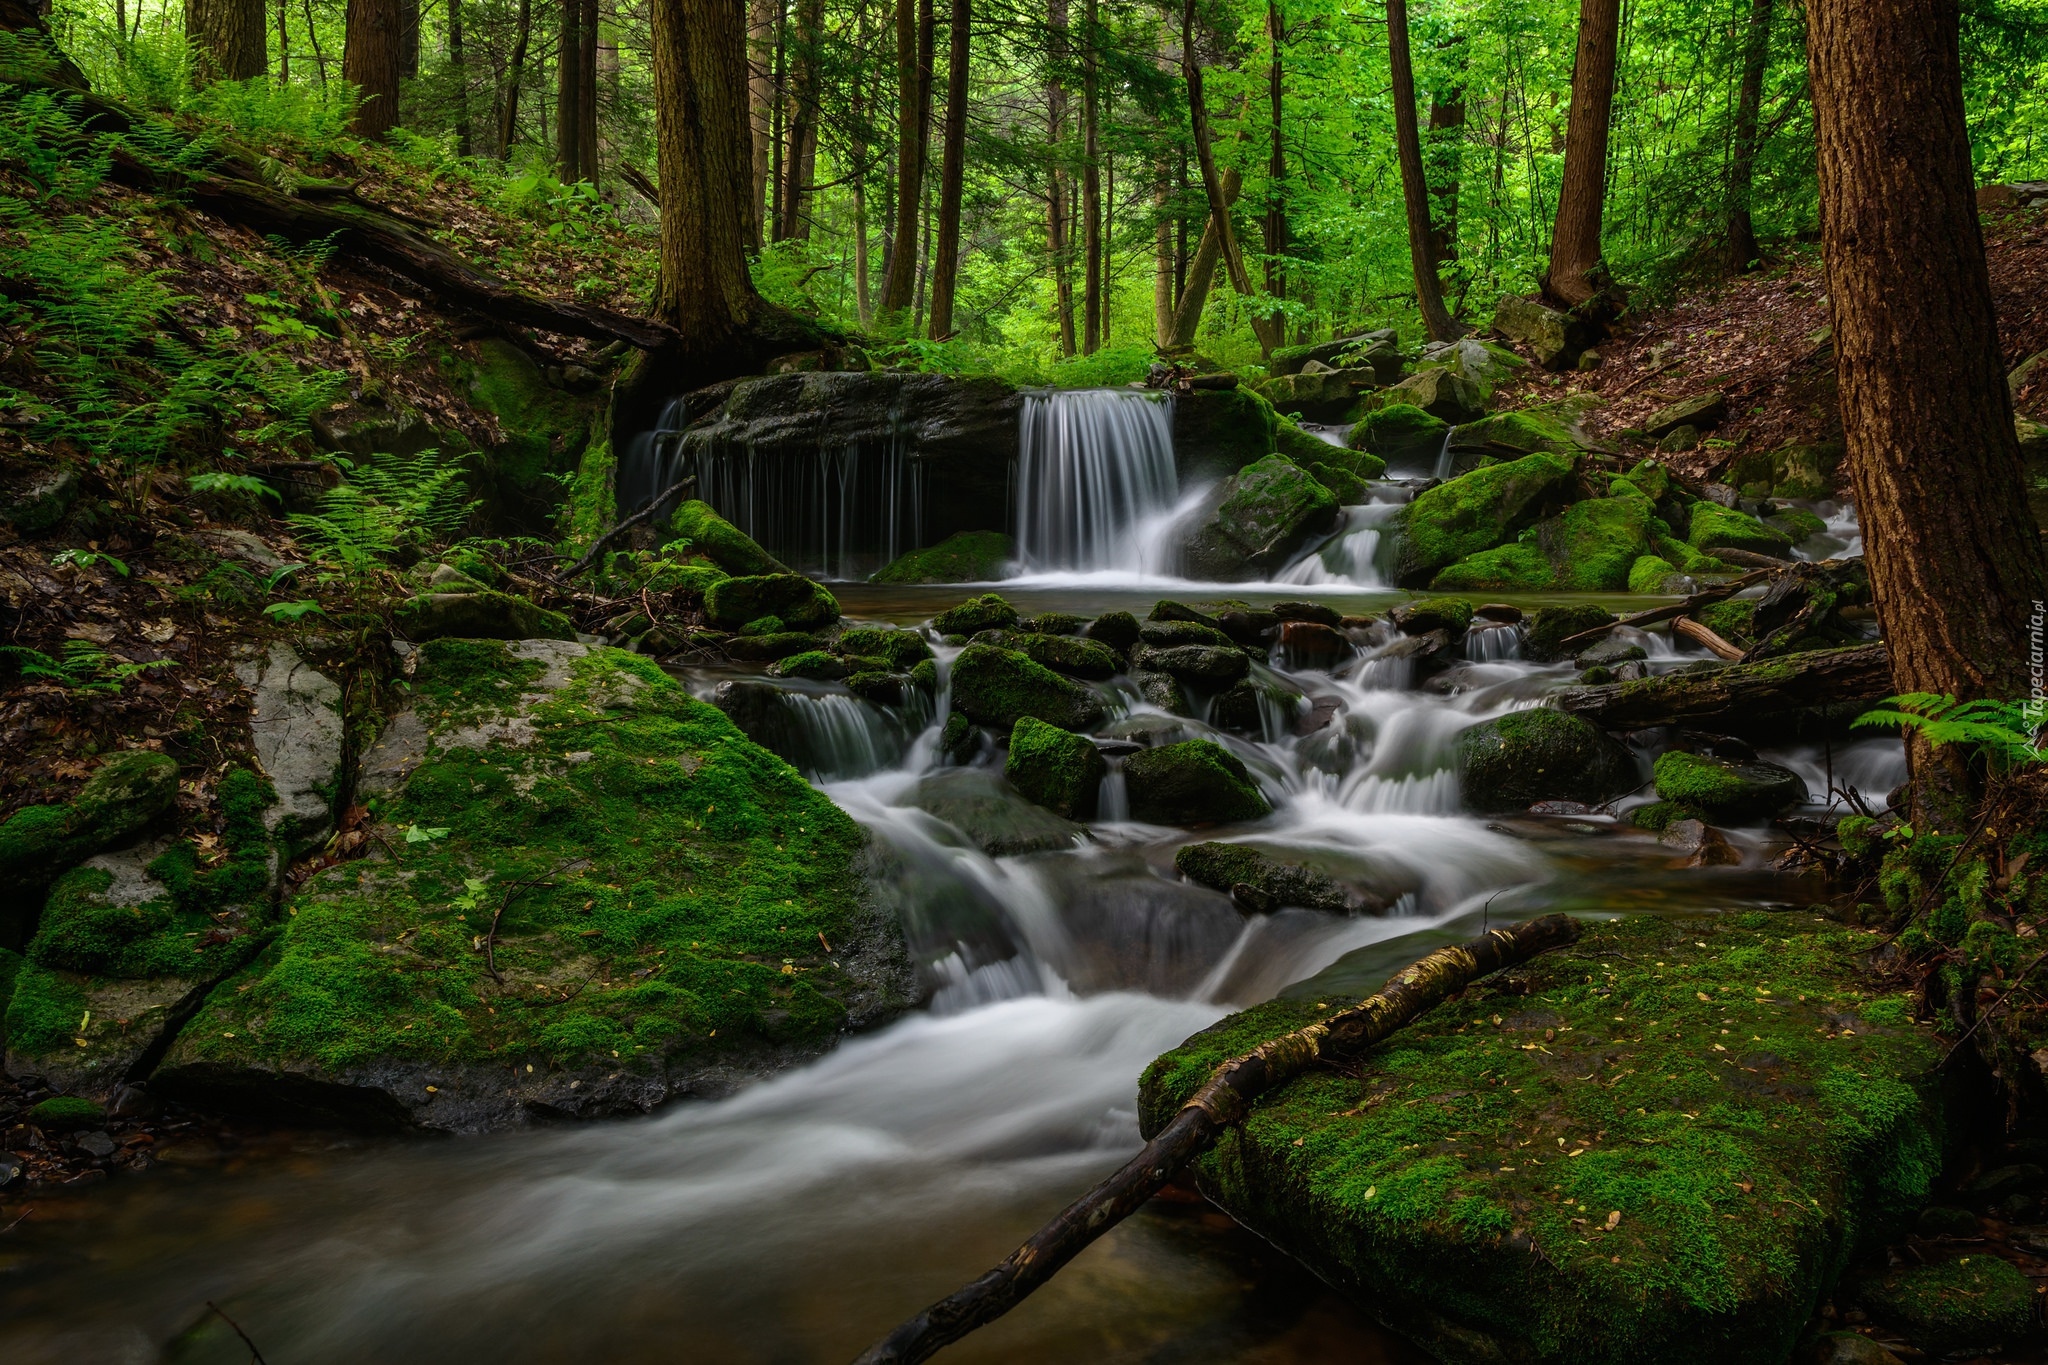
<point>1737,694</point>
<point>255,1356</point>
<point>505,903</point>
<point>1221,1102</point>
<point>1701,634</point>
<point>1703,598</point>
<point>1750,559</point>
<point>598,546</point>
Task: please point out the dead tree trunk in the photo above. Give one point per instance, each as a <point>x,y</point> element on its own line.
<point>1575,244</point>
<point>1222,1101</point>
<point>1429,289</point>
<point>1737,697</point>
<point>369,59</point>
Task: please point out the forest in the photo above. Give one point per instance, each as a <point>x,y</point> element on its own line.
<point>871,680</point>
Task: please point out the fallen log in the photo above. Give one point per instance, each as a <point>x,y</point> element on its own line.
<point>1705,597</point>
<point>1701,634</point>
<point>1221,1102</point>
<point>1738,694</point>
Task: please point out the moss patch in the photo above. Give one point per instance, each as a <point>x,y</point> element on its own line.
<point>965,557</point>
<point>1055,768</point>
<point>1464,1184</point>
<point>1477,512</point>
<point>718,540</point>
<point>1507,568</point>
<point>986,612</point>
<point>1715,527</point>
<point>999,687</point>
<point>1978,1302</point>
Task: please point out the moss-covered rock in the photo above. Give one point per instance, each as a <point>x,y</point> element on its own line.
<point>1547,628</point>
<point>999,687</point>
<point>126,794</point>
<point>813,664</point>
<point>995,815</point>
<point>1440,392</point>
<point>1259,882</point>
<point>1797,523</point>
<point>658,884</point>
<point>1055,768</point>
<point>1715,527</point>
<point>1477,511</point>
<point>478,615</point>
<point>723,543</point>
<point>1256,521</point>
<point>1306,448</point>
<point>1073,656</point>
<point>1217,432</point>
<point>1425,614</point>
<point>1653,574</point>
<point>1507,568</point>
<point>1595,543</point>
<point>1347,488</point>
<point>1255,708</point>
<point>67,1113</point>
<point>1207,667</point>
<point>1733,620</point>
<point>1195,782</point>
<point>964,557</point>
<point>1575,1165</point>
<point>799,602</point>
<point>1401,433</point>
<point>1116,629</point>
<point>1727,790</point>
<point>900,649</point>
<point>986,612</point>
<point>1521,432</point>
<point>1539,754</point>
<point>1973,1303</point>
<point>770,645</point>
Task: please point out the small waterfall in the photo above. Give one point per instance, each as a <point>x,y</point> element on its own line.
<point>1095,463</point>
<point>1488,644</point>
<point>1113,798</point>
<point>1351,557</point>
<point>1443,457</point>
<point>842,736</point>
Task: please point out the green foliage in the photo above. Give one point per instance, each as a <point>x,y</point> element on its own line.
<point>85,668</point>
<point>85,559</point>
<point>2005,732</point>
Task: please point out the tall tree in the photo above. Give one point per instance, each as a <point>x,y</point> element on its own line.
<point>1442,158</point>
<point>1955,561</point>
<point>515,75</point>
<point>586,91</point>
<point>1212,182</point>
<point>408,39</point>
<point>806,34</point>
<point>1091,182</point>
<point>899,284</point>
<point>569,94</point>
<point>228,39</point>
<point>1276,161</point>
<point>952,170</point>
<point>458,66</point>
<point>1429,289</point>
<point>1739,238</point>
<point>763,18</point>
<point>701,132</point>
<point>1058,239</point>
<point>369,60</point>
<point>1575,243</point>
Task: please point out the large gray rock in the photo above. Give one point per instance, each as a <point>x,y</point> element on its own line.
<point>1256,521</point>
<point>1555,339</point>
<point>1442,393</point>
<point>296,724</point>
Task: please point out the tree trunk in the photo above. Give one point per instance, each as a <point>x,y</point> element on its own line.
<point>1162,262</point>
<point>459,65</point>
<point>863,304</point>
<point>1223,1101</point>
<point>1575,244</point>
<point>899,283</point>
<point>1057,242</point>
<point>1955,560</point>
<point>586,93</point>
<point>1443,155</point>
<point>569,95</point>
<point>804,37</point>
<point>408,39</point>
<point>1739,697</point>
<point>952,172</point>
<point>1091,185</point>
<point>1429,290</point>
<point>1201,270</point>
<point>1212,183</point>
<point>284,41</point>
<point>700,105</point>
<point>1276,166</point>
<point>760,104</point>
<point>369,59</point>
<point>1740,234</point>
<point>25,18</point>
<point>522,36</point>
<point>228,39</point>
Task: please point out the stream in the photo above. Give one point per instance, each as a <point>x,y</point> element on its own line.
<point>798,1220</point>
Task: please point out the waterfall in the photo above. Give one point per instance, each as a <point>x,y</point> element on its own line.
<point>1351,557</point>
<point>1443,457</point>
<point>1095,464</point>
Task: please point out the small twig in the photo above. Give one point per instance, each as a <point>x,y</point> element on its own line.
<point>505,903</point>
<point>19,1221</point>
<point>255,1355</point>
<point>598,546</point>
<point>1993,1007</point>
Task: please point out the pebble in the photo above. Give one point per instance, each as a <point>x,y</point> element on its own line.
<point>96,1144</point>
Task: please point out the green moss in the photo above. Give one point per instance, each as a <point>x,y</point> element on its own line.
<point>1651,574</point>
<point>543,429</point>
<point>1732,620</point>
<point>1507,568</point>
<point>45,1011</point>
<point>1055,768</point>
<point>1347,488</point>
<point>1652,479</point>
<point>67,1112</point>
<point>1302,446</point>
<point>814,664</point>
<point>1797,523</point>
<point>124,796</point>
<point>1524,432</point>
<point>730,548</point>
<point>1539,754</point>
<point>1257,881</point>
<point>1194,782</point>
<point>999,687</point>
<point>592,507</point>
<point>986,612</point>
<point>1858,835</point>
<point>964,557</point>
<point>897,648</point>
<point>1745,1165</point>
<point>1453,614</point>
<point>800,603</point>
<point>1722,789</point>
<point>1658,815</point>
<point>1715,527</point>
<point>670,886</point>
<point>764,625</point>
<point>1597,542</point>
<point>1477,512</point>
<point>1400,431</point>
<point>1979,1302</point>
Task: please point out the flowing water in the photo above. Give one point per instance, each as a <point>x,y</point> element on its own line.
<point>799,1219</point>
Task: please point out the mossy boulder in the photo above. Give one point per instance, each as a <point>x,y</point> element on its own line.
<point>126,794</point>
<point>1547,628</point>
<point>1347,488</point>
<point>1507,568</point>
<point>1425,614</point>
<point>800,603</point>
<point>1796,522</point>
<point>1401,433</point>
<point>659,885</point>
<point>478,614</point>
<point>997,817</point>
<point>1709,1186</point>
<point>1653,574</point>
<point>1055,768</point>
<point>1306,448</point>
<point>1477,511</point>
<point>1595,543</point>
<point>964,557</point>
<point>1715,527</point>
<point>723,543</point>
<point>1256,520</point>
<point>986,612</point>
<point>1194,782</point>
<point>67,1113</point>
<point>899,649</point>
<point>1207,667</point>
<point>1068,654</point>
<point>1702,411</point>
<point>1539,754</point>
<point>1118,630</point>
<point>1975,1303</point>
<point>1258,882</point>
<point>1217,432</point>
<point>1522,432</point>
<point>1257,708</point>
<point>1441,392</point>
<point>999,687</point>
<point>1726,790</point>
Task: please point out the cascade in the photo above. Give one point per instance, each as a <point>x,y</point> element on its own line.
<point>1444,460</point>
<point>1095,465</point>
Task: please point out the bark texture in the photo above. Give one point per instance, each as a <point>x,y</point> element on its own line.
<point>1201,270</point>
<point>1429,289</point>
<point>1222,1101</point>
<point>522,37</point>
<point>805,35</point>
<point>761,15</point>
<point>369,59</point>
<point>952,170</point>
<point>228,38</point>
<point>899,285</point>
<point>458,63</point>
<point>1575,244</point>
<point>1091,186</point>
<point>1955,560</point>
<point>1739,696</point>
<point>569,94</point>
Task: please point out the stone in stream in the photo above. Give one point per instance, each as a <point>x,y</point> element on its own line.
<point>1247,706</point>
<point>1547,628</point>
<point>986,612</point>
<point>1171,634</point>
<point>1256,521</point>
<point>1449,614</point>
<point>896,648</point>
<point>125,795</point>
<point>1162,690</point>
<point>1698,844</point>
<point>1194,782</point>
<point>1261,884</point>
<point>1592,546</point>
<point>999,687</point>
<point>793,599</point>
<point>814,665</point>
<point>1714,527</point>
<point>1538,754</point>
<point>1724,790</point>
<point>1217,432</point>
<point>964,557</point>
<point>774,645</point>
<point>1400,431</point>
<point>1311,644</point>
<point>1002,821</point>
<point>661,890</point>
<point>1075,657</point>
<point>1055,768</point>
<point>1117,629</point>
<point>1607,652</point>
<point>1209,667</point>
<point>1478,511</point>
<point>1429,1186</point>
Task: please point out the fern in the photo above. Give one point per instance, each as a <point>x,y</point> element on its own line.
<point>2005,731</point>
<point>383,511</point>
<point>84,668</point>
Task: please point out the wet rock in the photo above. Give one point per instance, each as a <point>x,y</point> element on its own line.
<point>1608,652</point>
<point>1261,884</point>
<point>1311,644</point>
<point>899,649</point>
<point>997,818</point>
<point>767,648</point>
<point>813,664</point>
<point>986,612</point>
<point>1704,411</point>
<point>1077,658</point>
<point>1174,633</point>
<point>1055,768</point>
<point>1250,628</point>
<point>1208,667</point>
<point>999,687</point>
<point>1449,614</point>
<point>1973,1303</point>
<point>1400,433</point>
<point>1255,709</point>
<point>1498,611</point>
<point>1195,782</point>
<point>478,615</point>
<point>1547,629</point>
<point>959,740</point>
<point>1442,393</point>
<point>1540,755</point>
<point>67,1113</point>
<point>1726,790</point>
<point>1052,623</point>
<point>1162,690</point>
<point>127,793</point>
<point>723,543</point>
<point>1847,1348</point>
<point>1181,611</point>
<point>1555,339</point>
<point>964,557</point>
<point>1698,844</point>
<point>95,1145</point>
<point>1256,521</point>
<point>877,687</point>
<point>1377,348</point>
<point>1476,512</point>
<point>1117,629</point>
<point>1715,527</point>
<point>1430,649</point>
<point>795,600</point>
<point>1321,395</point>
<point>1946,1220</point>
<point>1217,432</point>
<point>1309,611</point>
